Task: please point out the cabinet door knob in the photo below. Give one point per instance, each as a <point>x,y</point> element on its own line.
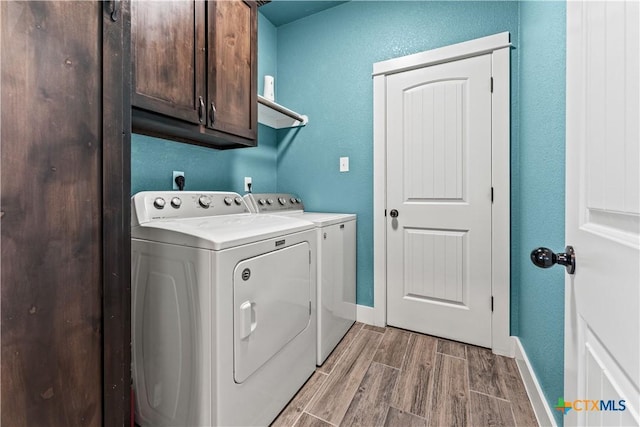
<point>213,114</point>
<point>394,213</point>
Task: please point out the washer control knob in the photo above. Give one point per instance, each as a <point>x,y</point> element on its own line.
<point>262,202</point>
<point>282,200</point>
<point>293,200</point>
<point>238,201</point>
<point>204,201</point>
<point>159,203</point>
<point>270,201</point>
<point>298,200</point>
<point>176,202</point>
<point>228,201</point>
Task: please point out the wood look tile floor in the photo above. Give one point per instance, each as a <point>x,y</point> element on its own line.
<point>391,377</point>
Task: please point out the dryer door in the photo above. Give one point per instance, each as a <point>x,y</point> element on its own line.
<point>272,304</point>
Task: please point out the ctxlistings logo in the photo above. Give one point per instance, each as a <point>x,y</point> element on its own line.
<point>563,406</point>
<point>590,405</point>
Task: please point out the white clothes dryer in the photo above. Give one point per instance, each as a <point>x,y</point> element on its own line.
<point>223,310</point>
<point>336,281</point>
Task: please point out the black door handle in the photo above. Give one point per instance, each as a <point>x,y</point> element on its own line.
<point>545,258</point>
<point>394,213</point>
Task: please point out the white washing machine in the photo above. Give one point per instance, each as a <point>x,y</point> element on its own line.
<point>223,310</point>
<point>336,297</point>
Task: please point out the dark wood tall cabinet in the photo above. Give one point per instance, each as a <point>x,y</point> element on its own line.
<point>65,244</point>
<point>194,71</point>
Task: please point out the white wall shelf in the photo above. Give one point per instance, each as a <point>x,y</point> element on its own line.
<point>278,117</point>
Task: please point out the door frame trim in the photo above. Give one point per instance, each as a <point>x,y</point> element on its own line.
<point>116,217</point>
<point>499,46</point>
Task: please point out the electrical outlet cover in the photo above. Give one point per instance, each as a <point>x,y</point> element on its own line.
<point>173,180</point>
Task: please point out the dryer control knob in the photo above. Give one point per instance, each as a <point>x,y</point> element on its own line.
<point>282,200</point>
<point>159,203</point>
<point>298,200</point>
<point>176,202</point>
<point>238,201</point>
<point>228,201</point>
<point>292,200</point>
<point>204,201</point>
<point>270,201</point>
<point>262,202</point>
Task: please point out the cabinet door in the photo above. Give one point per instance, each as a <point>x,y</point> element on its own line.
<point>232,62</point>
<point>167,40</point>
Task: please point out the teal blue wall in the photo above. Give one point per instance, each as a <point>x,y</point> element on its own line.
<point>267,51</point>
<point>153,160</point>
<point>324,69</point>
<point>540,210</point>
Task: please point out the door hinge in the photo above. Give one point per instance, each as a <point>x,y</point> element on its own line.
<point>491,84</point>
<point>385,212</point>
<point>309,257</point>
<point>492,304</point>
<point>309,308</point>
<point>491,194</point>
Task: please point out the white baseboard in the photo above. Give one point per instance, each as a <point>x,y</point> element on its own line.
<point>365,314</point>
<point>508,349</point>
<point>538,401</point>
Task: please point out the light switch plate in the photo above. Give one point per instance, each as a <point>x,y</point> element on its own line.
<point>247,182</point>
<point>344,164</point>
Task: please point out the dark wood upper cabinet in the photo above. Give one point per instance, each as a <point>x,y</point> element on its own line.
<point>194,71</point>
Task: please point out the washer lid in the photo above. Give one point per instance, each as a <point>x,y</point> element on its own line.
<point>220,232</point>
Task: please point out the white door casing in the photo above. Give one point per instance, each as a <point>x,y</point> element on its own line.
<point>602,299</point>
<point>497,47</point>
<point>439,179</point>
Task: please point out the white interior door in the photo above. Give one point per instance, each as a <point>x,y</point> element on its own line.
<point>439,183</point>
<point>602,320</point>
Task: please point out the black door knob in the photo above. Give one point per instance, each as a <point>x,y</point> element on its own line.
<point>545,258</point>
<point>394,213</point>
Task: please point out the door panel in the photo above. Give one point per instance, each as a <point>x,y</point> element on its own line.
<point>602,326</point>
<point>433,152</point>
<point>167,40</point>
<point>439,180</point>
<point>434,265</point>
<point>52,140</point>
<point>232,68</point>
<point>602,380</point>
<point>271,300</point>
